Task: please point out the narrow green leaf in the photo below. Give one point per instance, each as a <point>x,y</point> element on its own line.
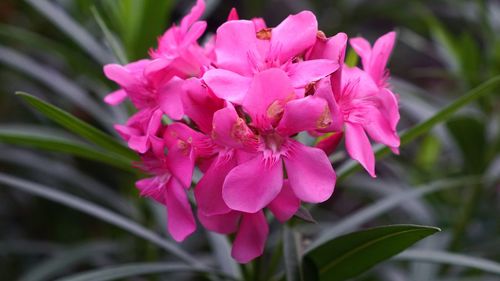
<point>451,259</point>
<point>221,248</point>
<point>72,29</point>
<point>380,207</point>
<point>98,212</point>
<point>111,39</point>
<point>78,126</point>
<point>56,82</point>
<point>138,269</point>
<point>412,133</point>
<point>291,255</point>
<point>64,260</point>
<point>54,140</point>
<point>349,255</point>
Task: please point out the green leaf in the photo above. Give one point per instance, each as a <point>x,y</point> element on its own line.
<point>72,29</point>
<point>138,269</point>
<point>98,212</point>
<point>64,260</point>
<point>78,126</point>
<point>412,133</point>
<point>54,140</point>
<point>114,43</point>
<point>380,207</point>
<point>349,255</point>
<point>451,259</point>
<point>221,248</point>
<point>291,255</point>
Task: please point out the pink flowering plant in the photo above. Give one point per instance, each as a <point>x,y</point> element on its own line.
<point>234,132</point>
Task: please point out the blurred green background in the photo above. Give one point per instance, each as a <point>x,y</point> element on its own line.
<point>56,49</point>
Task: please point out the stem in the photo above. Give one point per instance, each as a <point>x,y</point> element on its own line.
<point>275,260</point>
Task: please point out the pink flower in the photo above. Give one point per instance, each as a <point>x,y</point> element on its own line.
<point>142,131</point>
<point>242,50</point>
<point>277,114</point>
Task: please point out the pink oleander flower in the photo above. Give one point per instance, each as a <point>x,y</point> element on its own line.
<point>235,106</point>
<point>243,48</point>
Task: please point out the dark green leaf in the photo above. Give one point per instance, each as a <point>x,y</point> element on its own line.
<point>78,126</point>
<point>53,140</point>
<point>352,254</point>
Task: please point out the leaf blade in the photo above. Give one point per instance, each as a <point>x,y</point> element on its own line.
<point>357,252</point>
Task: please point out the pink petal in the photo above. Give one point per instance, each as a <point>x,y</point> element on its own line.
<point>235,40</point>
<point>309,113</point>
<point>153,188</point>
<point>289,41</point>
<point>115,97</point>
<point>224,223</point>
<point>195,14</point>
<point>208,191</point>
<point>379,129</point>
<point>269,91</point>
<point>230,130</point>
<point>251,237</point>
<point>310,173</point>
<point>390,106</point>
<point>170,99</point>
<point>252,185</point>
<point>306,72</point>
<point>194,33</point>
<point>332,48</point>
<point>380,55</point>
<point>330,142</point>
<point>362,47</point>
<point>180,216</point>
<point>199,105</point>
<point>138,143</point>
<point>227,85</point>
<point>286,204</point>
<point>359,148</point>
<point>233,15</point>
<point>324,90</point>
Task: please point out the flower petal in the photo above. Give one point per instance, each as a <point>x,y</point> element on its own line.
<point>115,97</point>
<point>227,85</point>
<point>169,98</point>
<point>246,192</point>
<point>230,130</point>
<point>234,42</point>
<point>288,41</point>
<point>286,204</point>
<point>359,148</point>
<point>224,223</point>
<point>269,91</point>
<point>310,173</point>
<point>309,113</point>
<point>251,237</point>
<point>180,221</point>
<point>208,191</point>
<point>306,72</point>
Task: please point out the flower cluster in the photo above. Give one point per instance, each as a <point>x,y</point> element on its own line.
<point>233,108</point>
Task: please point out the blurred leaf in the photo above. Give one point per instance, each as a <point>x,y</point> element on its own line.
<point>54,140</point>
<point>412,133</point>
<point>380,207</point>
<point>140,22</point>
<point>451,259</point>
<point>304,214</point>
<point>56,82</point>
<point>78,126</point>
<point>98,212</point>
<point>72,29</point>
<point>137,269</point>
<point>114,43</point>
<point>291,255</point>
<point>64,260</point>
<point>352,58</point>
<point>470,135</point>
<point>429,153</point>
<point>222,251</point>
<point>349,255</point>
<point>56,169</point>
